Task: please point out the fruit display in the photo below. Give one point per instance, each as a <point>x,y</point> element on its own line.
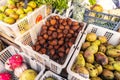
<point>14,11</point>
<point>20,69</point>
<point>5,76</point>
<point>98,59</point>
<point>56,37</point>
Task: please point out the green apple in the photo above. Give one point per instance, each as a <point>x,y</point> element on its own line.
<point>3,8</point>
<point>9,20</point>
<point>20,11</point>
<point>28,9</point>
<point>9,11</point>
<point>2,16</point>
<point>32,4</point>
<point>22,16</point>
<point>14,15</point>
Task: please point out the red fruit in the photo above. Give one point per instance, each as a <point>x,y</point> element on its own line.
<point>15,61</point>
<point>5,76</point>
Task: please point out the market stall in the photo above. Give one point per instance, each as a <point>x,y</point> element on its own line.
<point>60,40</point>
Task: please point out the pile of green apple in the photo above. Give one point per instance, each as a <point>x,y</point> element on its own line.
<point>14,11</point>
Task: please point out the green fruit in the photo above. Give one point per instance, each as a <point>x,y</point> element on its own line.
<point>113,52</point>
<point>93,72</point>
<point>80,60</point>
<point>109,67</point>
<point>99,68</point>
<point>96,42</point>
<point>89,57</point>
<point>9,11</point>
<point>116,66</point>
<point>102,48</point>
<point>85,45</point>
<point>95,78</point>
<point>102,39</point>
<point>22,16</point>
<point>28,9</point>
<point>91,37</point>
<point>117,75</point>
<point>20,11</point>
<point>118,47</point>
<point>101,58</point>
<point>14,15</point>
<point>108,75</point>
<point>32,4</point>
<point>110,46</point>
<point>9,20</point>
<point>2,16</point>
<point>3,8</point>
<point>28,74</point>
<point>111,59</point>
<point>92,49</point>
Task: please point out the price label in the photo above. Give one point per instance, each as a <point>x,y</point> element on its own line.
<point>23,26</point>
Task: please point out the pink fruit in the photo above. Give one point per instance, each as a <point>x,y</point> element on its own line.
<point>5,76</point>
<point>15,61</point>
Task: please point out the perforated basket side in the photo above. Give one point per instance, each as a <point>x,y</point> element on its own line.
<point>108,21</point>
<point>51,74</point>
<point>8,52</point>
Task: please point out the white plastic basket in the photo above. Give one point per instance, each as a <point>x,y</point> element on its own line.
<point>112,37</point>
<point>30,37</point>
<point>51,74</point>
<point>24,24</point>
<point>8,52</point>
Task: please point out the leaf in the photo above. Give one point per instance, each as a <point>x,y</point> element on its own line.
<point>92,2</point>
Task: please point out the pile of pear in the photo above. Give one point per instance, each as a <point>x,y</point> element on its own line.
<point>98,59</point>
<point>14,11</point>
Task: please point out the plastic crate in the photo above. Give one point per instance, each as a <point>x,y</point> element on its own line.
<point>8,52</point>
<point>112,37</point>
<point>105,20</point>
<point>21,26</point>
<point>51,74</point>
<point>30,37</point>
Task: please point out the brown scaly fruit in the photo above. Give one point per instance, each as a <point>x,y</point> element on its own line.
<point>107,74</point>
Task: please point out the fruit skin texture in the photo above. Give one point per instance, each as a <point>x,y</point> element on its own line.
<point>113,52</point>
<point>80,60</point>
<point>32,4</point>
<point>117,75</point>
<point>89,57</point>
<point>102,39</point>
<point>2,16</point>
<point>116,65</point>
<point>96,42</point>
<point>108,75</point>
<point>91,37</point>
<point>9,11</point>
<point>102,48</point>
<point>118,47</point>
<point>101,58</point>
<point>15,61</point>
<point>92,49</point>
<point>9,20</point>
<point>5,76</point>
<point>97,8</point>
<point>2,8</point>
<point>93,72</point>
<point>85,45</point>
<point>96,78</point>
<point>99,68</point>
<point>28,74</point>
<point>110,46</point>
<point>14,15</point>
<point>20,11</point>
